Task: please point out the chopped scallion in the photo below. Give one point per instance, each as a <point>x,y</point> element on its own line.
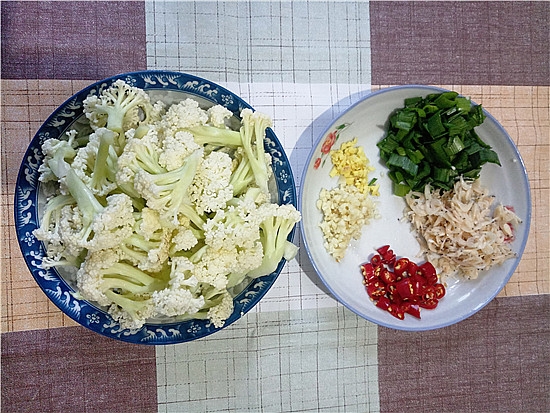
<point>432,140</point>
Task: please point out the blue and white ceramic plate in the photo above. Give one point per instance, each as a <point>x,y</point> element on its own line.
<point>29,199</point>
<point>367,120</point>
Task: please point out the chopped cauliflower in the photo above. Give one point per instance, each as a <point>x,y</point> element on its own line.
<point>220,313</point>
<point>181,297</point>
<point>218,115</point>
<point>95,162</point>
<point>184,239</point>
<point>183,115</point>
<point>211,190</point>
<point>175,149</point>
<point>164,211</point>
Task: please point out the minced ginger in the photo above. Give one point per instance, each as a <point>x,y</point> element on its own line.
<point>351,163</point>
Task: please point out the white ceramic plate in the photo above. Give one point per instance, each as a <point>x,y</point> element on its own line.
<point>367,121</point>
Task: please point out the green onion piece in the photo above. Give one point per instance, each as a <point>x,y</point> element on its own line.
<point>401,189</point>
<point>443,174</point>
<point>404,163</point>
<point>430,109</point>
<point>472,174</point>
<point>400,151</point>
<point>477,116</point>
<point>454,146</point>
<point>388,144</point>
<point>434,126</point>
<point>463,104</point>
<point>440,155</point>
<point>457,125</point>
<point>404,120</point>
<point>445,100</point>
<point>412,102</point>
<point>415,156</point>
<point>483,156</point>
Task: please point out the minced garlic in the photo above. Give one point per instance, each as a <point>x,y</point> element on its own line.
<point>345,211</point>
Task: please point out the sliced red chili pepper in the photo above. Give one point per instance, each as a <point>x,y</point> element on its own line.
<point>393,294</point>
<point>439,291</point>
<point>410,308</point>
<point>368,271</point>
<point>376,260</point>
<point>405,289</point>
<point>401,286</point>
<point>383,303</point>
<point>388,256</point>
<point>395,298</point>
<point>396,311</point>
<point>376,289</point>
<point>401,265</point>
<point>412,267</point>
<point>417,284</point>
<point>387,276</point>
<point>428,272</point>
<point>432,281</point>
<point>428,304</point>
<point>428,293</point>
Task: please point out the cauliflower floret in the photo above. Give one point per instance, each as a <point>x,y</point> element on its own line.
<point>181,297</point>
<point>276,223</point>
<point>149,223</point>
<point>217,115</point>
<point>106,228</point>
<point>113,224</point>
<point>139,154</point>
<point>89,277</point>
<point>49,232</point>
<point>96,163</point>
<point>119,107</point>
<point>175,149</point>
<point>57,155</point>
<point>135,319</point>
<point>157,112</point>
<point>168,192</point>
<point>110,281</point>
<point>184,239</point>
<point>221,312</point>
<point>212,267</point>
<point>232,227</point>
<point>148,247</point>
<point>211,189</point>
<point>176,301</point>
<point>183,115</point>
<point>148,255</point>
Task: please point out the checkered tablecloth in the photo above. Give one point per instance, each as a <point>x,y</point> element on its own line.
<point>303,63</point>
